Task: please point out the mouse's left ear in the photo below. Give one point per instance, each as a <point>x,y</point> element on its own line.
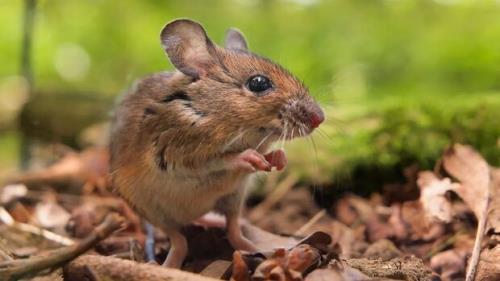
<point>188,47</point>
<point>235,40</point>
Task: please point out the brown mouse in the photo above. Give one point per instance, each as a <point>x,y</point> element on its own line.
<point>184,142</point>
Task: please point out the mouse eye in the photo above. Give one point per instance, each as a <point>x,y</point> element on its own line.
<point>259,84</point>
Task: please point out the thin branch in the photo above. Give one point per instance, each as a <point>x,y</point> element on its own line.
<point>14,270</point>
<point>274,197</point>
<point>476,251</point>
<point>124,270</point>
<point>7,219</point>
<point>310,223</point>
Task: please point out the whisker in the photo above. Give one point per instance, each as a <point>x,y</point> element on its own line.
<point>285,131</point>
<point>232,141</point>
<point>324,134</point>
<point>263,140</point>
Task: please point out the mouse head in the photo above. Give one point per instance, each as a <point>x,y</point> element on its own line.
<point>235,87</point>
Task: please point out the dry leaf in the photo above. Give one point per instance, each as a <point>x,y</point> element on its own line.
<point>449,264</point>
<point>489,265</point>
<point>302,258</point>
<point>433,196</point>
<point>12,192</point>
<point>49,214</point>
<point>267,241</point>
<point>337,271</point>
<point>472,171</point>
<point>240,268</point>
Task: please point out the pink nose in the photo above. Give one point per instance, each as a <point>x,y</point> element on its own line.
<point>315,119</point>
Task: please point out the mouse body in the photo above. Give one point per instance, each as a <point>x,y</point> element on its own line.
<point>183,143</point>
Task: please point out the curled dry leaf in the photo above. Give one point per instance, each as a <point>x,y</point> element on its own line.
<point>303,257</point>
<point>433,196</point>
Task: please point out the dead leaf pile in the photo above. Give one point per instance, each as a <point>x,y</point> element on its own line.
<point>438,225</point>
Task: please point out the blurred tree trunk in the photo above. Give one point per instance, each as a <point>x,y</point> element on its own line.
<point>27,69</point>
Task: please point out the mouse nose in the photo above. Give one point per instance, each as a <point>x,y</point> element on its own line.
<point>316,117</point>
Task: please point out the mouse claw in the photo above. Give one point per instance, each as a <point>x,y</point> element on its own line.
<point>277,158</point>
<point>251,161</point>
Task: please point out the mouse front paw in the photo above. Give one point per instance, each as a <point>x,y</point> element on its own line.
<point>277,158</point>
<point>250,161</point>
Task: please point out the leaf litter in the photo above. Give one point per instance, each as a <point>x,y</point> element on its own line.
<point>441,225</point>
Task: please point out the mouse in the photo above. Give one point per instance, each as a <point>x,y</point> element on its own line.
<point>184,143</point>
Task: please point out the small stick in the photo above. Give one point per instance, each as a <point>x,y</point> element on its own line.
<point>274,197</point>
<point>7,219</point>
<point>4,256</point>
<point>476,251</point>
<point>310,223</point>
<point>17,269</point>
<point>110,268</point>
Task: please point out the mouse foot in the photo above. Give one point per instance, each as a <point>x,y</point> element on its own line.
<point>178,249</point>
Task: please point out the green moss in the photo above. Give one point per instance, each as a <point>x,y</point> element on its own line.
<point>389,136</point>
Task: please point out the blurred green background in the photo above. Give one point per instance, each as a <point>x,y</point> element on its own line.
<point>399,79</point>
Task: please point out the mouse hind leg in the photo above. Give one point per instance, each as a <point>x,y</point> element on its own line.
<point>178,248</point>
<point>230,207</point>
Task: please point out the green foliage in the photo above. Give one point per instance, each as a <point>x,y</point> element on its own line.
<point>396,136</point>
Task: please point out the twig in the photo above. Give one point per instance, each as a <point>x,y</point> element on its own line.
<point>476,251</point>
<point>274,197</point>
<point>17,269</point>
<point>7,219</point>
<point>310,223</point>
<point>125,270</point>
<point>5,256</point>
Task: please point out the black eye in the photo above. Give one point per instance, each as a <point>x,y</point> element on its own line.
<point>259,84</point>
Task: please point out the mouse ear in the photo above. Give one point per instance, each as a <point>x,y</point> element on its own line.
<point>188,47</point>
<point>235,40</point>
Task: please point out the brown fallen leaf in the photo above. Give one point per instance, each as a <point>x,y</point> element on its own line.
<point>476,187</point>
<point>240,268</point>
<point>494,211</point>
<point>489,266</point>
<point>473,172</point>
<point>87,170</point>
<point>449,264</point>
<point>266,241</point>
<point>302,258</point>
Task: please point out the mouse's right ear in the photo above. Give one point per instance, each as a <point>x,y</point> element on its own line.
<point>188,47</point>
<point>235,40</point>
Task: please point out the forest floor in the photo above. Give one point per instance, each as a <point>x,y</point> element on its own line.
<point>61,223</point>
